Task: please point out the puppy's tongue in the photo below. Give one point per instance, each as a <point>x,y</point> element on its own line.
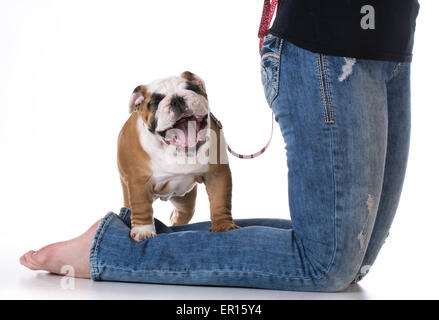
<point>186,133</point>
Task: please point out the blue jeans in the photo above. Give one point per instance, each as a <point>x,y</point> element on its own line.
<point>346,127</point>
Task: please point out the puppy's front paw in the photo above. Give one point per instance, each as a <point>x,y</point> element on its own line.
<point>142,232</point>
<point>222,227</point>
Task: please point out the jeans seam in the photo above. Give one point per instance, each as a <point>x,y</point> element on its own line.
<point>260,273</point>
<point>277,76</point>
<point>325,89</point>
<point>334,185</point>
<point>328,90</point>
<point>322,93</point>
<point>334,251</point>
<point>94,270</point>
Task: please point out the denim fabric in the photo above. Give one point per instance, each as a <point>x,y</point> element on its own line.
<point>346,127</point>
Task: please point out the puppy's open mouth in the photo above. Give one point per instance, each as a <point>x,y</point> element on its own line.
<point>187,131</point>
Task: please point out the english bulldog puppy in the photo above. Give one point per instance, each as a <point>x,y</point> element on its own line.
<point>168,145</point>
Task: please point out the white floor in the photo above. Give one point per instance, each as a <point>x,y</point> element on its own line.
<point>20,283</point>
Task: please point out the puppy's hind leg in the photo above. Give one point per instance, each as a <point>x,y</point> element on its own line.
<point>184,208</point>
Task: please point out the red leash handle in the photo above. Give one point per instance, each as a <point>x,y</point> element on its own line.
<point>267,16</point>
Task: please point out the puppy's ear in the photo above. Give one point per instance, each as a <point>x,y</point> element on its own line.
<point>138,96</point>
<point>195,79</point>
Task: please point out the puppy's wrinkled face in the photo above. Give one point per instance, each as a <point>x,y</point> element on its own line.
<point>175,109</point>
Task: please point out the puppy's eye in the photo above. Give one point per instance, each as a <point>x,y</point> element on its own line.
<point>154,101</point>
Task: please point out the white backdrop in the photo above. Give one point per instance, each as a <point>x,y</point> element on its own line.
<point>67,69</point>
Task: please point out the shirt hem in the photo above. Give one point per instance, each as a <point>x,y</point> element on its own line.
<point>324,49</point>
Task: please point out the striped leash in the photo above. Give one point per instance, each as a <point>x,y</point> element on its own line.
<point>267,15</point>
<point>270,6</point>
<point>246,156</point>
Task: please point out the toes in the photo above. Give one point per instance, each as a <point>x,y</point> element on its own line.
<point>36,260</point>
<point>25,257</point>
<point>28,261</point>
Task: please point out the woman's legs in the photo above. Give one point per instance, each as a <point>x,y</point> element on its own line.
<point>74,255</point>
<point>334,122</point>
<point>332,113</point>
<point>398,143</point>
<point>333,116</point>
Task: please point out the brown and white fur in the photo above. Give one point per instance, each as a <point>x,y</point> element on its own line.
<point>170,122</point>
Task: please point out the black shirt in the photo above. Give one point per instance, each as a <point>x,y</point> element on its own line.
<point>365,29</point>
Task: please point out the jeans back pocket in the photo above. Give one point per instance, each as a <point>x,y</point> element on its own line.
<point>270,66</point>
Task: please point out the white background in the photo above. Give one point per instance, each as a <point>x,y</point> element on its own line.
<point>67,69</point>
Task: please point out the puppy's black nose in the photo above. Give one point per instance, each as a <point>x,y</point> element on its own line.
<point>178,104</point>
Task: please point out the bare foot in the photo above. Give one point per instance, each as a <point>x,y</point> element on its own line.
<point>54,257</point>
